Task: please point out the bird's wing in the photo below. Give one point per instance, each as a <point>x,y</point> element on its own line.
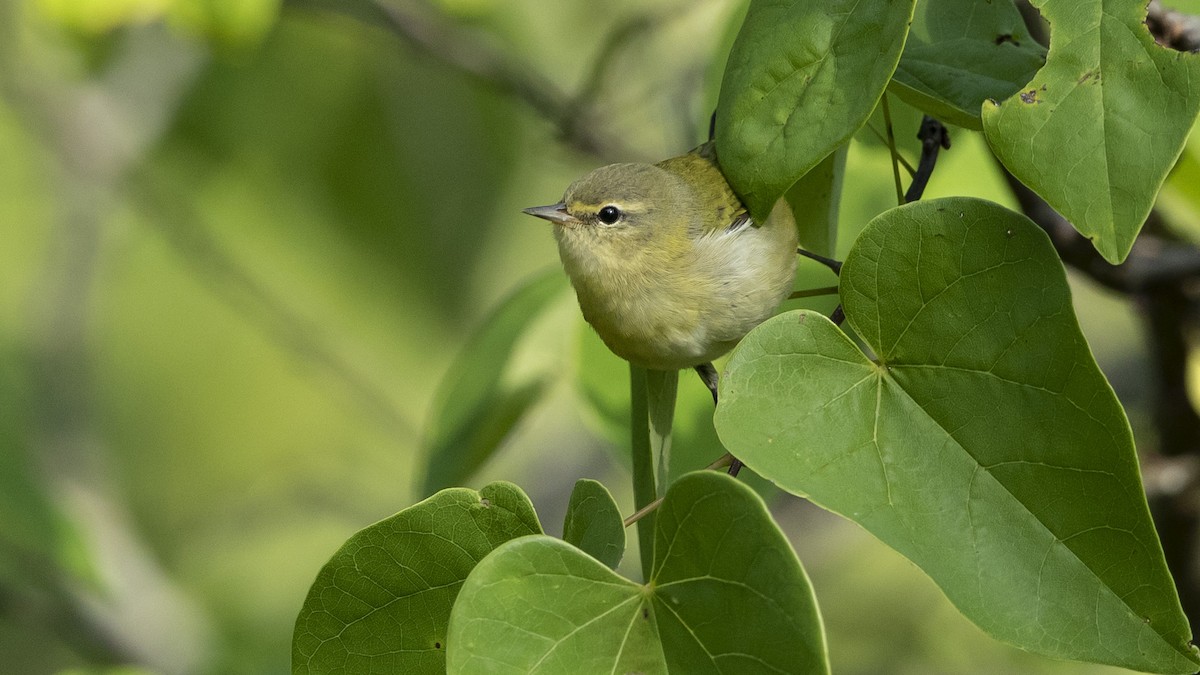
<point>720,208</point>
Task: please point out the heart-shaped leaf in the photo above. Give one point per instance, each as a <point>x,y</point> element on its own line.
<point>593,523</point>
<point>381,604</point>
<point>984,444</point>
<point>960,54</point>
<point>785,104</point>
<point>727,595</point>
<point>1098,128</point>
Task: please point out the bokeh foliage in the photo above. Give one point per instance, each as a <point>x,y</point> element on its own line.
<point>219,344</point>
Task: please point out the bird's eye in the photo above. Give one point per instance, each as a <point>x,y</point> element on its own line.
<point>609,215</point>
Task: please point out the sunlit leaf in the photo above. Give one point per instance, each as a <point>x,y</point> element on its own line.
<point>785,100</point>
<point>382,603</point>
<point>960,54</point>
<point>476,407</point>
<point>593,523</point>
<point>727,595</point>
<point>984,444</point>
<point>1096,130</point>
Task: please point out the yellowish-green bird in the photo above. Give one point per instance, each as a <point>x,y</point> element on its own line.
<point>666,263</point>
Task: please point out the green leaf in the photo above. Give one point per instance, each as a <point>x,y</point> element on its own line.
<point>1096,130</point>
<point>815,200</point>
<point>985,444</point>
<point>727,595</point>
<point>593,523</point>
<point>382,603</point>
<point>476,407</point>
<point>787,100</point>
<point>960,54</point>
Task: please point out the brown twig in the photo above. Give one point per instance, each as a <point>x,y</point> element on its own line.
<point>1154,262</point>
<point>475,53</point>
<point>724,461</point>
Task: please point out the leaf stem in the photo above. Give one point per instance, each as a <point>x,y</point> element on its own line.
<point>891,142</point>
<point>814,292</point>
<point>903,162</point>
<point>645,491</point>
<point>649,509</point>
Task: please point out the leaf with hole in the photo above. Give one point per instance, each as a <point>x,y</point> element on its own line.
<point>1095,132</point>
<point>727,594</point>
<point>382,603</point>
<point>984,443</point>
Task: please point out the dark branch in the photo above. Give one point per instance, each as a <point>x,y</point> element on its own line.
<point>1155,261</point>
<point>934,138</point>
<point>834,266</point>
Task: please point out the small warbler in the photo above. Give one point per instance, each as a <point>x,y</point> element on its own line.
<point>666,263</point>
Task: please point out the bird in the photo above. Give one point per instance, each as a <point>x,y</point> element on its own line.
<point>667,264</point>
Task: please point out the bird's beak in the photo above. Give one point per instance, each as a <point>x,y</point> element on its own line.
<point>555,213</point>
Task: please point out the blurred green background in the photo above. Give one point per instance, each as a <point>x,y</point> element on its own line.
<point>241,242</point>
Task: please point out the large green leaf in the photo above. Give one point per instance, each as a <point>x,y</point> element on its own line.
<point>476,406</point>
<point>1095,132</point>
<point>593,523</point>
<point>801,78</point>
<point>382,603</point>
<point>960,54</point>
<point>727,595</point>
<point>984,444</point>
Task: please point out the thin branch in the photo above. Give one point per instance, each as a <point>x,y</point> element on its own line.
<point>891,143</point>
<point>883,139</point>
<point>814,292</point>
<point>834,266</point>
<point>725,460</point>
<point>474,53</point>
